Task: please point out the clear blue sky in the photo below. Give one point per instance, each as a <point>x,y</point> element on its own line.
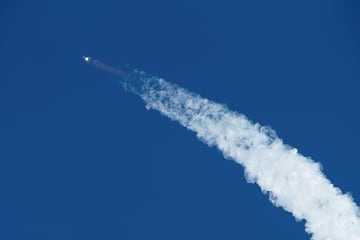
<point>82,159</point>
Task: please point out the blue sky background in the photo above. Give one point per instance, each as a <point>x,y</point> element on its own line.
<point>82,159</point>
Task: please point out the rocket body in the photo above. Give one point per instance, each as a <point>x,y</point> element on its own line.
<point>104,67</point>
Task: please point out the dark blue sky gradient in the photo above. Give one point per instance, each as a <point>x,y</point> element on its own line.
<point>82,159</point>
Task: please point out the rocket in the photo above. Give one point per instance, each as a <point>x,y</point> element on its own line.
<point>104,67</point>
<point>86,58</point>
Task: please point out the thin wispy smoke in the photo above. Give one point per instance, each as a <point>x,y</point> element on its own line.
<point>291,181</point>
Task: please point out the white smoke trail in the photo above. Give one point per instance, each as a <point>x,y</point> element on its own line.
<point>291,180</point>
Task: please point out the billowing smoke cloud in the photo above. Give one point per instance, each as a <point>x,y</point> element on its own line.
<point>291,180</point>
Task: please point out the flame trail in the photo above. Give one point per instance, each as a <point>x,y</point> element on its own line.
<point>291,180</point>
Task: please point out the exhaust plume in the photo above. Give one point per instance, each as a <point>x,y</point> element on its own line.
<point>292,181</point>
